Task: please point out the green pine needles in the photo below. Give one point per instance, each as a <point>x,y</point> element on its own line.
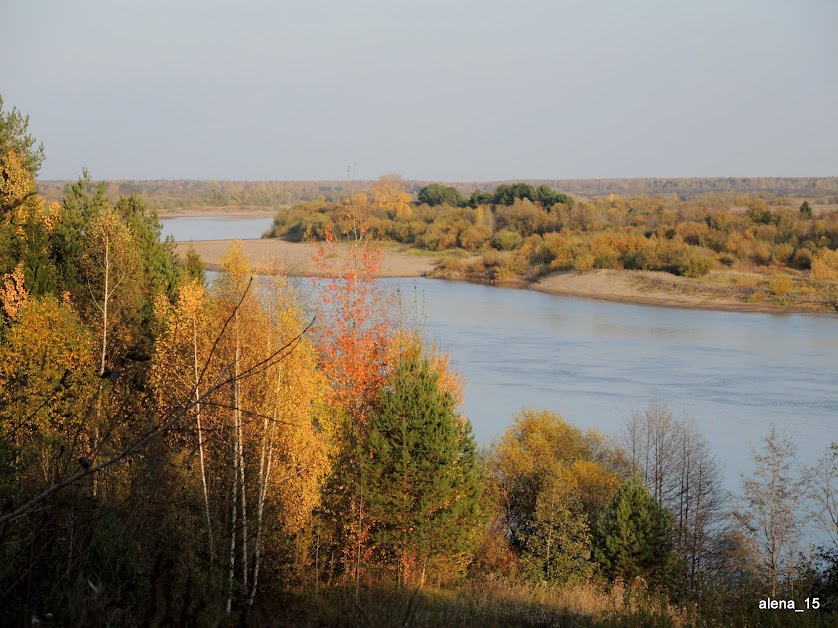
<point>633,536</point>
<point>423,474</point>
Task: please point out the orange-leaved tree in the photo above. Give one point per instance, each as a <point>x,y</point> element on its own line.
<point>354,331</point>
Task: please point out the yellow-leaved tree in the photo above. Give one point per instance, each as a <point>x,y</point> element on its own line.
<point>261,441</point>
<point>47,387</point>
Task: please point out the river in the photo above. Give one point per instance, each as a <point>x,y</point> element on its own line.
<point>595,362</point>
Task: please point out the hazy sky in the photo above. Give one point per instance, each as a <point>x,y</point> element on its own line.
<point>454,90</point>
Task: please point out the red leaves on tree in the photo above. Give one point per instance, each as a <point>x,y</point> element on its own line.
<point>353,323</point>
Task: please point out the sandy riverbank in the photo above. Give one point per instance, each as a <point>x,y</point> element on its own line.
<point>658,289</point>
<point>632,287</point>
<point>297,257</point>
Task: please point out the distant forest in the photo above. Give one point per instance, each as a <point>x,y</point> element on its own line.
<point>185,193</point>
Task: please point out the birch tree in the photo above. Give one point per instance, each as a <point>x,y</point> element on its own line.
<point>770,511</point>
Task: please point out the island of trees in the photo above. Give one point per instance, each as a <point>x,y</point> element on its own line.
<point>176,449</point>
<point>772,249</point>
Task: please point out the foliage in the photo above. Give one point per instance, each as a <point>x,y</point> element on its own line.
<point>15,137</point>
<point>436,194</point>
<point>770,513</point>
<point>423,477</point>
<point>633,537</point>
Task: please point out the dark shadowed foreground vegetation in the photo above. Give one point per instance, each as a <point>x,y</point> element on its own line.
<point>175,451</point>
<point>762,249</point>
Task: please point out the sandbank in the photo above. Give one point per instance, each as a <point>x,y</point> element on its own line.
<point>631,287</point>
<point>296,258</point>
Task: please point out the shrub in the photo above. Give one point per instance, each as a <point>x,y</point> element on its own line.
<point>475,237</point>
<point>584,262</point>
<point>727,259</point>
<point>803,258</point>
<point>526,218</point>
<point>694,233</point>
<point>506,240</point>
<point>542,254</point>
<point>782,253</point>
<point>825,265</point>
<point>695,264</point>
<point>761,254</point>
<point>767,233</point>
<point>781,285</point>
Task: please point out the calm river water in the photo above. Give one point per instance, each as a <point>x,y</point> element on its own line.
<point>595,362</point>
<point>186,228</point>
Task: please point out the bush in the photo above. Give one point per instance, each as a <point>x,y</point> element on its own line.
<point>761,254</point>
<point>695,264</point>
<point>782,253</point>
<point>825,265</point>
<point>526,218</point>
<point>584,262</point>
<point>781,285</point>
<point>727,259</point>
<point>473,238</point>
<point>803,258</point>
<point>506,240</point>
<point>542,254</point>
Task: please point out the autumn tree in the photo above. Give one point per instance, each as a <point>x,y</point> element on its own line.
<point>770,512</point>
<point>353,334</point>
<point>15,136</point>
<point>550,481</point>
<point>558,547</point>
<point>111,266</point>
<point>46,385</point>
<point>822,480</point>
<point>675,461</point>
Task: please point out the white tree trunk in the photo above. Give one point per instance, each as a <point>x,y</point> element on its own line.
<point>201,441</point>
<point>264,475</point>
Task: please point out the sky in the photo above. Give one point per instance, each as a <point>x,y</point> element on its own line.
<point>442,90</point>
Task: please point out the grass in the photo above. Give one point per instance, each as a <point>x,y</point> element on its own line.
<point>480,605</point>
<point>398,247</point>
<point>493,602</point>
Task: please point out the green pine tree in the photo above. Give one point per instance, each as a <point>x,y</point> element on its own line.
<point>423,476</point>
<point>633,537</point>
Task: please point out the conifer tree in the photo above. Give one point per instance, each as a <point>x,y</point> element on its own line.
<point>424,478</point>
<point>634,536</point>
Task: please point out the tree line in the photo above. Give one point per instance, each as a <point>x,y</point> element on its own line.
<point>776,253</point>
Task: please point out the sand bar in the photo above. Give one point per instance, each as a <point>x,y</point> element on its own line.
<point>296,258</point>
<point>631,287</point>
<point>658,289</point>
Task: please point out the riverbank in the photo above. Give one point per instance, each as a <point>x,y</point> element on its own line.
<point>631,287</point>
<point>297,257</point>
<point>663,290</point>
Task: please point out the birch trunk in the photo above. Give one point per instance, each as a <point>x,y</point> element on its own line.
<point>201,441</point>
<point>265,461</point>
<point>239,440</point>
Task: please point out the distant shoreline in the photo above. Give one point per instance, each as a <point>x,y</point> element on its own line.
<point>629,287</point>
<point>213,212</point>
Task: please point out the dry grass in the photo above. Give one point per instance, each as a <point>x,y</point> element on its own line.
<point>491,603</point>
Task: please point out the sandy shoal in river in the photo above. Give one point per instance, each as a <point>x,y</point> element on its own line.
<point>650,288</point>
<point>296,258</point>
<point>632,287</point>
